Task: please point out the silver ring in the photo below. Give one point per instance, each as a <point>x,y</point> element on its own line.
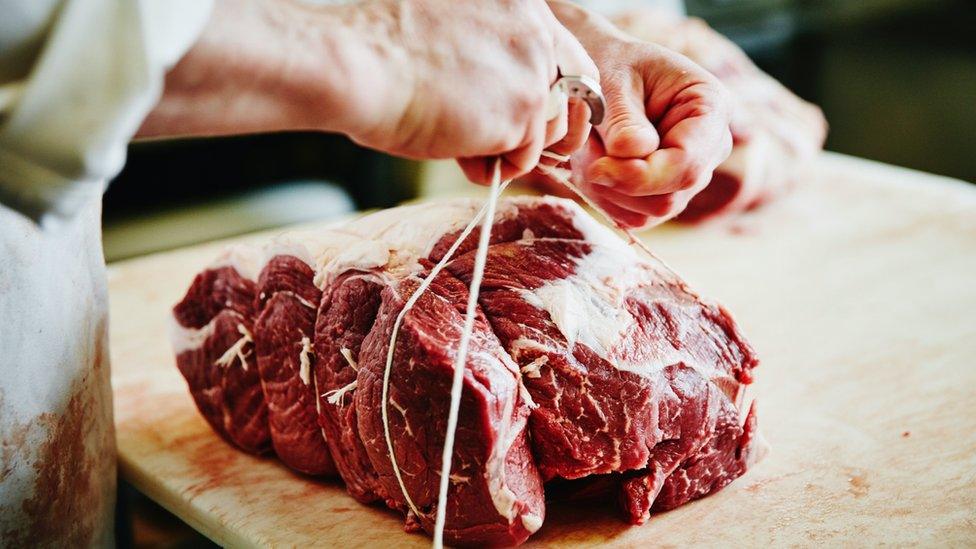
<point>586,89</point>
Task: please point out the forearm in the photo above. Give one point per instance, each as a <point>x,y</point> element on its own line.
<point>594,31</point>
<point>264,65</point>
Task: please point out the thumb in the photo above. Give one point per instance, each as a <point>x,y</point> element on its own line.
<point>626,131</point>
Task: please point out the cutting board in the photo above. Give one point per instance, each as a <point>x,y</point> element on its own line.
<point>859,292</point>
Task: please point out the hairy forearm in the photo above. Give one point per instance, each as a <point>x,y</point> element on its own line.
<point>265,65</point>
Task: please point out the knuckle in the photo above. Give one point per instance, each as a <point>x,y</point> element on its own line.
<point>528,102</point>
<point>707,108</point>
<point>511,140</point>
<point>664,205</point>
<point>528,112</point>
<point>721,100</point>
<point>693,173</point>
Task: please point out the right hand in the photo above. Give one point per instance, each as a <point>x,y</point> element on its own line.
<point>465,79</point>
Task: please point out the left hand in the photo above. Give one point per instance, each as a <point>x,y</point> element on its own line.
<point>666,126</point>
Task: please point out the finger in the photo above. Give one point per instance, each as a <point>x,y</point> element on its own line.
<point>572,59</point>
<point>727,143</point>
<point>577,128</point>
<point>664,171</point>
<point>526,157</point>
<point>626,218</point>
<point>557,127</point>
<point>626,130</point>
<point>701,133</point>
<point>478,169</point>
<point>687,169</point>
<point>590,152</point>
<point>696,118</point>
<point>652,210</point>
<point>662,206</point>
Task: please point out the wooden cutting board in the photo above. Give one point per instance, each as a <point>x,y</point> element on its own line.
<point>859,292</point>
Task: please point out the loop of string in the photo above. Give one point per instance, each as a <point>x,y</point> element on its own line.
<point>487,213</point>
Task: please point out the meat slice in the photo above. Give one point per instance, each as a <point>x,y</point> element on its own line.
<point>346,315</point>
<point>212,339</point>
<point>495,496</point>
<point>353,279</point>
<point>630,371</point>
<point>287,301</point>
<point>704,448</point>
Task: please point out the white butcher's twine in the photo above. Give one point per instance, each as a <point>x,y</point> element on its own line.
<point>460,358</point>
<point>487,213</point>
<point>565,182</point>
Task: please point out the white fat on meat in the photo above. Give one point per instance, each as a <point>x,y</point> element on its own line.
<point>531,522</point>
<point>394,239</point>
<point>532,369</point>
<point>245,259</point>
<point>358,255</point>
<point>305,363</point>
<point>289,244</point>
<point>412,231</point>
<point>326,249</point>
<point>185,339</point>
<point>588,307</point>
<point>236,350</point>
<point>329,252</point>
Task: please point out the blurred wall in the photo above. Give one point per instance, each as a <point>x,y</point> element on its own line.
<point>896,78</point>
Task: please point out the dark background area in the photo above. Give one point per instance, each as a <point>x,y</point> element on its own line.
<point>896,79</point>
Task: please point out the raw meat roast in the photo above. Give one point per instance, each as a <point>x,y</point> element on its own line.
<point>586,361</point>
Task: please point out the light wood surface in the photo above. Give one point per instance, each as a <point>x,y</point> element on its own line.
<point>859,292</point>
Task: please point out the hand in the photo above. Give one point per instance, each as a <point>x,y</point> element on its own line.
<point>665,130</point>
<point>774,132</point>
<point>460,79</point>
<point>469,80</point>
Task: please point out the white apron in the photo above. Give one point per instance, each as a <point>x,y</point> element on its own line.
<point>76,79</point>
<point>57,482</point>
